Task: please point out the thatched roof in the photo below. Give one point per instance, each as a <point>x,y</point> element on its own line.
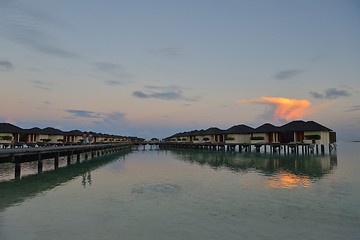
<point>213,131</point>
<point>266,128</point>
<point>9,128</point>
<point>239,129</point>
<point>52,131</point>
<point>302,126</point>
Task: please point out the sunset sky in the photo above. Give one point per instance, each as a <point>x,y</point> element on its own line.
<point>155,68</point>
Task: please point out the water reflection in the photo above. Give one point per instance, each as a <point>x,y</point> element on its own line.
<point>16,191</point>
<point>281,171</point>
<point>86,179</point>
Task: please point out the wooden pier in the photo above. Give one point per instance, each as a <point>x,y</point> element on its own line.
<point>286,148</point>
<point>22,155</point>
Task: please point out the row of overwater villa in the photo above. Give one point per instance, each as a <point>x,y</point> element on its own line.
<point>308,135</point>
<point>11,135</point>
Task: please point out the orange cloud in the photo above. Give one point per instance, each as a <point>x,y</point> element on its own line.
<point>286,108</point>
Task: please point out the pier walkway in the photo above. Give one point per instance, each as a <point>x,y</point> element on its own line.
<point>31,154</point>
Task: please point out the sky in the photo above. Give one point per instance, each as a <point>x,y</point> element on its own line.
<point>154,68</point>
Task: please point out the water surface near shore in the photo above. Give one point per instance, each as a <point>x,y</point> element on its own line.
<point>164,194</point>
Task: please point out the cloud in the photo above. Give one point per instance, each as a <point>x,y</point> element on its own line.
<point>100,118</point>
<point>354,108</point>
<point>107,66</point>
<point>117,73</point>
<point>6,66</point>
<point>331,93</point>
<point>163,93</point>
<point>114,82</point>
<point>285,109</point>
<point>83,113</point>
<point>42,85</point>
<point>288,74</point>
<point>25,26</point>
<point>166,52</point>
<point>112,122</point>
<point>114,117</point>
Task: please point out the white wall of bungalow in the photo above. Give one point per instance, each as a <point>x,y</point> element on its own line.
<point>238,138</point>
<point>324,137</point>
<point>264,137</point>
<point>73,139</point>
<point>197,139</point>
<point>209,138</point>
<point>56,138</point>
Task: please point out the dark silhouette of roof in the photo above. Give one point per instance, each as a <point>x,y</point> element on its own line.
<point>301,126</point>
<point>239,129</point>
<point>266,128</point>
<point>52,131</point>
<point>9,128</point>
<point>74,133</point>
<point>34,130</point>
<point>213,131</point>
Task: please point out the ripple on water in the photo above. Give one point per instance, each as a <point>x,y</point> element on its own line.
<point>157,189</point>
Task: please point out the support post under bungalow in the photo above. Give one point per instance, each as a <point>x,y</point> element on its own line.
<point>68,159</point>
<point>78,157</point>
<point>56,161</point>
<point>17,170</point>
<point>40,164</point>
<point>17,167</point>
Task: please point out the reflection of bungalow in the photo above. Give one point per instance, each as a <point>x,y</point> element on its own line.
<point>238,134</point>
<point>265,133</point>
<point>307,132</point>
<point>9,132</point>
<point>213,135</point>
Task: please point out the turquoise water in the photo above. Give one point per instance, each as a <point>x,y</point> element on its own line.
<point>164,194</point>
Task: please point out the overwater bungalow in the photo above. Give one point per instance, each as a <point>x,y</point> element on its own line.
<point>197,136</point>
<point>10,133</point>
<point>213,135</point>
<point>306,132</point>
<point>73,136</point>
<point>52,135</point>
<point>238,134</point>
<point>266,133</point>
<point>32,135</point>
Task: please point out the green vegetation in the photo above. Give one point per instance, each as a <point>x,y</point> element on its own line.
<point>195,139</point>
<point>45,140</point>
<point>205,139</point>
<point>229,138</point>
<point>257,138</point>
<point>312,137</point>
<point>6,138</point>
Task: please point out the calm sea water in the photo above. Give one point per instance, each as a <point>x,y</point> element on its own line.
<point>164,194</point>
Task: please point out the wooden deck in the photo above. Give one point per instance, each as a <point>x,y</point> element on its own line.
<point>21,155</point>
